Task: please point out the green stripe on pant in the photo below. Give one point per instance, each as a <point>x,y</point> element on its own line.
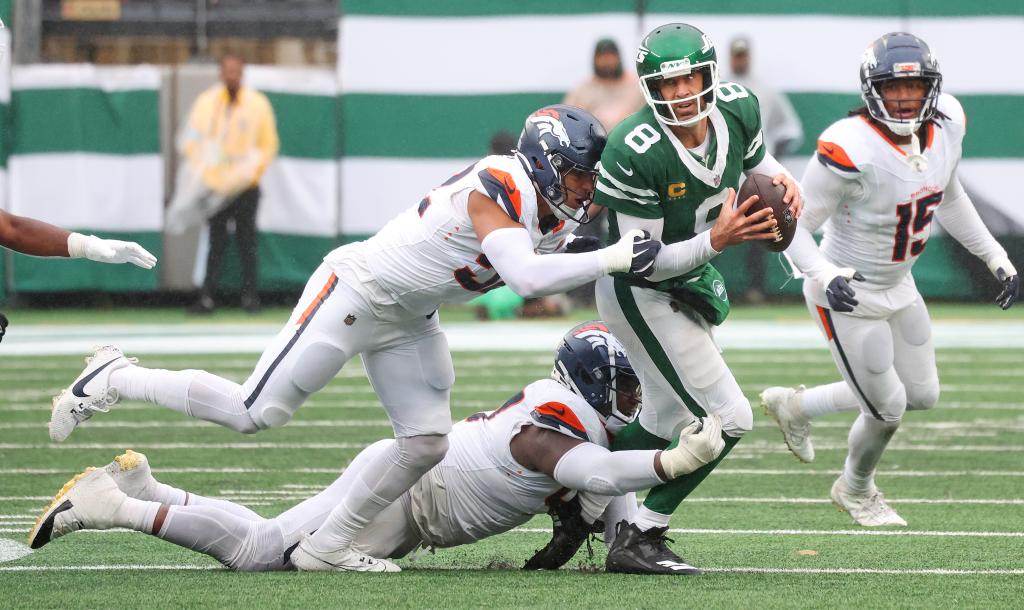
<point>663,499</point>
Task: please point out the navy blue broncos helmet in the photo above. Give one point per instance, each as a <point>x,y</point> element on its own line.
<point>557,140</point>
<point>592,363</point>
<point>899,55</point>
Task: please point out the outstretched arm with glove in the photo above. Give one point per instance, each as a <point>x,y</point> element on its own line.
<point>38,238</point>
<point>588,467</point>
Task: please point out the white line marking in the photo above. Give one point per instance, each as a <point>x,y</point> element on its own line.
<point>101,568</point>
<point>754,447</point>
<point>863,532</point>
<point>893,572</point>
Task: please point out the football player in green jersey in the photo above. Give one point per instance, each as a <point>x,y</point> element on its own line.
<point>672,169</point>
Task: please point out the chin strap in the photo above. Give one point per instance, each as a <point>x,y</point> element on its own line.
<point>915,159</point>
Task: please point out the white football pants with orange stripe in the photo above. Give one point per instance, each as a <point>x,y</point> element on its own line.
<point>883,348</point>
<point>405,355</point>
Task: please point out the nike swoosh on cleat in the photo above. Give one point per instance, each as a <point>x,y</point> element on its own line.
<point>79,388</point>
<point>628,172</point>
<point>46,528</point>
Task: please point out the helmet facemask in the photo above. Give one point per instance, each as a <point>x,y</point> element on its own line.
<point>706,99</point>
<point>557,194</point>
<point>620,399</point>
<point>874,99</point>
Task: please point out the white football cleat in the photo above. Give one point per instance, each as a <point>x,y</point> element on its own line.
<point>869,509</point>
<point>130,471</point>
<point>306,559</point>
<point>90,500</point>
<point>89,394</point>
<point>783,405</point>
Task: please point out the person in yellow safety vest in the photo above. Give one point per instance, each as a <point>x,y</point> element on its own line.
<point>230,140</point>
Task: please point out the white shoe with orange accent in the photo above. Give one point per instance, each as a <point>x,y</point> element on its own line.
<point>89,394</point>
<point>90,500</point>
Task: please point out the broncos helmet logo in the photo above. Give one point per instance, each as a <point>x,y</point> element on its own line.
<point>547,124</point>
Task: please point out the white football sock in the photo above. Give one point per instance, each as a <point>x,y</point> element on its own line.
<point>622,507</point>
<point>195,393</point>
<point>831,398</point>
<point>136,514</point>
<point>867,440</point>
<point>383,479</point>
<point>236,542</point>
<point>646,519</point>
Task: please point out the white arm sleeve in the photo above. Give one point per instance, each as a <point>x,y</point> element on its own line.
<point>529,274</point>
<point>673,259</point>
<point>823,191</point>
<point>959,218</point>
<point>769,166</point>
<point>590,467</point>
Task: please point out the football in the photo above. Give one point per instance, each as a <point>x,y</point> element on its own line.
<point>770,195</point>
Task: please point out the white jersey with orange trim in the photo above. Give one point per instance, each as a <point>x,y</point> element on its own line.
<point>876,206</point>
<point>479,489</point>
<point>430,254</point>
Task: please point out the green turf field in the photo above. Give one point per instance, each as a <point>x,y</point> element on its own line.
<point>762,524</point>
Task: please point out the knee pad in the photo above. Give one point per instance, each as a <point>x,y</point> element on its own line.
<point>740,421</point>
<point>891,409</point>
<point>270,414</point>
<point>424,450</point>
<point>316,366</point>
<point>922,396</point>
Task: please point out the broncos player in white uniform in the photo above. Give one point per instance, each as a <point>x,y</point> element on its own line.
<point>503,467</point>
<point>379,299</point>
<point>879,178</point>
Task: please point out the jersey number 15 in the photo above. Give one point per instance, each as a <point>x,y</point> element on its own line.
<point>916,214</point>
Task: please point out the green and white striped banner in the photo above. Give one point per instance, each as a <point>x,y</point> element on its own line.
<point>86,156</point>
<point>5,125</point>
<point>298,216</point>
<point>424,85</point>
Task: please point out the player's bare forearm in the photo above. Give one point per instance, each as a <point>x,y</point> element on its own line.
<point>30,236</point>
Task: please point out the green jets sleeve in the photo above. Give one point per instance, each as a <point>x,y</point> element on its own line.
<point>624,184</point>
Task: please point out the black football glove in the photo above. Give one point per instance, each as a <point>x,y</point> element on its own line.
<point>3,326</point>
<point>570,531</point>
<point>1011,289</point>
<point>584,243</point>
<point>645,250</point>
<point>839,293</point>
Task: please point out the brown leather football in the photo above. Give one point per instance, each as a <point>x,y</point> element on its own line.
<point>770,196</point>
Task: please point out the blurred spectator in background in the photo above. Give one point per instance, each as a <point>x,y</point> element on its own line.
<point>783,135</point>
<point>613,93</point>
<point>230,140</point>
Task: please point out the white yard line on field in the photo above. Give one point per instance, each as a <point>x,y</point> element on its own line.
<point>462,337</point>
<point>863,532</point>
<point>754,447</point>
<point>734,570</point>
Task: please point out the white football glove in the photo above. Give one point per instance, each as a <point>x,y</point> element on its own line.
<point>109,250</point>
<point>699,445</point>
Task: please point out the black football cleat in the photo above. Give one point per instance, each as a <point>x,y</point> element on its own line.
<point>636,552</point>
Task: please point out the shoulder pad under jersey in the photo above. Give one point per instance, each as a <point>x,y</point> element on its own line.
<point>842,147</point>
<point>950,106</point>
<point>556,408</point>
<point>503,179</point>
